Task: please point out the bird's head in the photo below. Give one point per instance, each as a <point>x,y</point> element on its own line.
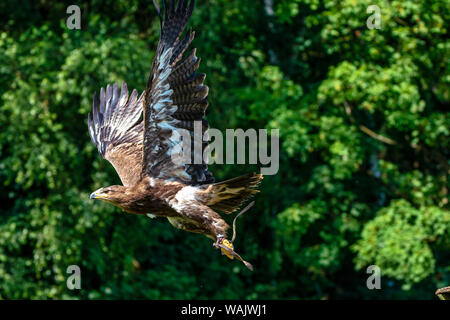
<point>112,194</point>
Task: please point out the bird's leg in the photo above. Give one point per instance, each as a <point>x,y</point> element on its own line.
<point>214,227</point>
<point>226,246</point>
<point>227,249</point>
<point>219,240</point>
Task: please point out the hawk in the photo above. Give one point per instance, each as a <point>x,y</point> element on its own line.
<point>140,147</point>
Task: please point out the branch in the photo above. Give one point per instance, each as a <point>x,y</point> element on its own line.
<point>377,136</point>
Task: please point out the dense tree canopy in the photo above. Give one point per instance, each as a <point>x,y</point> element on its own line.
<point>364,161</point>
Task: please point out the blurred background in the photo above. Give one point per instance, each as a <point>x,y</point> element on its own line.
<point>364,156</point>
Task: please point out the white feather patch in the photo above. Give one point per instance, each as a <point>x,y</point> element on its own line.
<point>183,197</point>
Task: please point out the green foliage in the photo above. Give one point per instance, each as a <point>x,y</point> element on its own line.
<point>400,240</point>
<point>364,165</point>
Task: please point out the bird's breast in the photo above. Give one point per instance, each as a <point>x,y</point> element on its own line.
<point>152,198</point>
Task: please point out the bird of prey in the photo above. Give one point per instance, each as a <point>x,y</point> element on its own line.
<point>139,147</point>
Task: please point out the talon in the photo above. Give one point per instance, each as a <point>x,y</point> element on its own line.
<point>227,248</point>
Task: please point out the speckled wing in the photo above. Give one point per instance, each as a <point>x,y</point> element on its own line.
<point>175,97</point>
<point>117,130</point>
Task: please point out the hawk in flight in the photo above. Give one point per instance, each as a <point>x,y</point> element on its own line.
<point>140,148</point>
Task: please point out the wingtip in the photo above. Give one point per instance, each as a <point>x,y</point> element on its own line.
<point>158,10</point>
<point>191,6</point>
<point>258,176</point>
<point>123,89</point>
<point>156,7</point>
<point>95,100</point>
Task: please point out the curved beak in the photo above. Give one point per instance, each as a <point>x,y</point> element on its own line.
<point>95,195</point>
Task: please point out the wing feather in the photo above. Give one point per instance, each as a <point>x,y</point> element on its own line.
<point>175,97</point>
<point>116,131</point>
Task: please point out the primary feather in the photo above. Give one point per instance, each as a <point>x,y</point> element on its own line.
<point>175,98</point>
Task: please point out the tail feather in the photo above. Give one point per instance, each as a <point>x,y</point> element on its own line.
<point>228,196</point>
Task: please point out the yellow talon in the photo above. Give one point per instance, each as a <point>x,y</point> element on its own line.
<point>229,245</point>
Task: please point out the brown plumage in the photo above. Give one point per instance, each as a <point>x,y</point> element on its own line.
<point>140,149</point>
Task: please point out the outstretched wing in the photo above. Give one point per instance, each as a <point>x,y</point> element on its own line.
<point>115,131</point>
<point>175,97</point>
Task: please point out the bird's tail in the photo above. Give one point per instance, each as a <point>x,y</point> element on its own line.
<point>230,195</point>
